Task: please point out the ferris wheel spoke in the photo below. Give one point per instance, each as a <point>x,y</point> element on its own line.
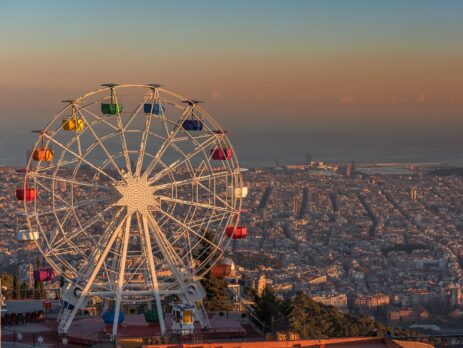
<point>218,217</point>
<point>193,180</point>
<point>93,268</point>
<point>51,192</point>
<point>195,204</point>
<point>70,181</point>
<point>215,196</point>
<point>79,157</point>
<point>73,206</point>
<point>188,228</point>
<point>178,163</point>
<point>89,223</point>
<point>144,139</point>
<point>98,118</point>
<point>166,144</point>
<point>122,268</point>
<point>103,148</point>
<point>103,247</point>
<point>152,269</point>
<point>122,135</point>
<point>174,262</point>
<point>137,110</point>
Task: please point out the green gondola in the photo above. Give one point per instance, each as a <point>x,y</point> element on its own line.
<point>111,108</point>
<point>151,317</point>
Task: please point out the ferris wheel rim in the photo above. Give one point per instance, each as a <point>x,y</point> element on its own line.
<point>208,116</point>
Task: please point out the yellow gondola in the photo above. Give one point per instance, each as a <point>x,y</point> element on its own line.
<point>73,123</point>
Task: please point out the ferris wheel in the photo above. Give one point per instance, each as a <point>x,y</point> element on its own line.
<point>132,193</point>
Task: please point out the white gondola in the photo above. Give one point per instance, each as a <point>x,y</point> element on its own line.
<point>182,319</point>
<point>27,236</point>
<point>240,192</point>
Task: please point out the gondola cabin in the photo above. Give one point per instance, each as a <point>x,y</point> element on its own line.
<point>25,236</point>
<point>183,319</point>
<point>44,275</point>
<point>221,154</point>
<point>111,108</point>
<point>151,317</point>
<point>225,268</point>
<point>153,109</point>
<point>26,194</point>
<point>238,192</point>
<point>43,155</point>
<point>238,232</point>
<point>108,317</point>
<point>192,124</point>
<point>73,124</point>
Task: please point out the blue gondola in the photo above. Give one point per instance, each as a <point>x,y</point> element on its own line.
<point>192,125</point>
<point>108,317</point>
<point>153,109</point>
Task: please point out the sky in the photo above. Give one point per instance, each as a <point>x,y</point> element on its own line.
<point>314,76</point>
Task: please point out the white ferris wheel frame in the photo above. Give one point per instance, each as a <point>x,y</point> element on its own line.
<point>222,209</point>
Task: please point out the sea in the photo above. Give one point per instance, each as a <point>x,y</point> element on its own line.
<point>261,145</point>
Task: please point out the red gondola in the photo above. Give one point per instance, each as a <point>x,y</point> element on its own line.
<point>44,275</point>
<point>221,154</point>
<point>26,194</point>
<point>238,232</point>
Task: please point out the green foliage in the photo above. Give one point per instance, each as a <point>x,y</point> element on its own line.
<point>7,283</point>
<point>270,309</point>
<point>216,288</point>
<point>16,286</point>
<point>314,320</point>
<point>216,294</point>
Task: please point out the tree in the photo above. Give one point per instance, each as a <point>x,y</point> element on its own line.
<point>7,282</point>
<point>216,294</point>
<point>16,286</point>
<point>216,288</point>
<point>269,309</point>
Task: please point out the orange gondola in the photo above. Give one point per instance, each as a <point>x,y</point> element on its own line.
<point>42,154</point>
<point>225,268</point>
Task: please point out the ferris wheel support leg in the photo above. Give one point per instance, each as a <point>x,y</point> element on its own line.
<point>154,278</point>
<point>192,292</point>
<point>120,281</point>
<point>194,298</point>
<point>64,326</point>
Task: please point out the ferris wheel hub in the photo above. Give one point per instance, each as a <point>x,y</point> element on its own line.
<point>136,194</point>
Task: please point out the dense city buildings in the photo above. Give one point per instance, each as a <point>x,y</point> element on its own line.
<point>386,245</point>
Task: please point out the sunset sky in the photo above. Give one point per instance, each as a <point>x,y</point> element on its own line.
<point>304,64</point>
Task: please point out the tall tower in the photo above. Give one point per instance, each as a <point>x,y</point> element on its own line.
<point>308,158</point>
<point>277,162</point>
<point>348,170</point>
<point>296,204</point>
<point>413,194</point>
<point>261,283</point>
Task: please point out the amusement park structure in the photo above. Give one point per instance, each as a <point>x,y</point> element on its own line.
<point>132,193</point>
